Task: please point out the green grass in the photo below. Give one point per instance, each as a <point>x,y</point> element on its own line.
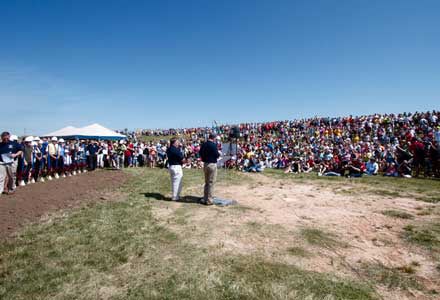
<point>392,278</point>
<point>145,138</point>
<point>427,190</point>
<point>298,251</point>
<point>386,193</point>
<point>119,250</point>
<point>397,214</point>
<point>429,199</point>
<point>320,238</point>
<point>424,235</point>
<point>271,280</point>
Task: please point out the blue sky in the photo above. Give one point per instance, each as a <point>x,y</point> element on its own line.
<point>149,64</point>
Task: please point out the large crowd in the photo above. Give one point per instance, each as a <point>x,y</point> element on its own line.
<point>397,145</point>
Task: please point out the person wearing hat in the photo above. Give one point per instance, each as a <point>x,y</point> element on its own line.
<point>68,158</point>
<point>372,167</point>
<point>28,162</point>
<point>61,157</point>
<point>52,158</point>
<point>209,155</point>
<point>42,147</point>
<point>9,151</point>
<point>38,160</point>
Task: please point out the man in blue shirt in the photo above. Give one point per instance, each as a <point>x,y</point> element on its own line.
<point>9,151</point>
<point>210,155</point>
<point>93,149</point>
<point>175,160</point>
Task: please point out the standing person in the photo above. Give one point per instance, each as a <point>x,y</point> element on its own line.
<point>209,155</point>
<point>146,153</point>
<point>44,165</point>
<point>93,150</point>
<point>8,152</point>
<point>61,158</point>
<point>52,158</point>
<point>37,159</point>
<point>28,161</point>
<point>68,158</point>
<point>100,155</point>
<point>120,151</point>
<point>417,149</point>
<point>18,147</point>
<point>80,156</point>
<point>152,155</point>
<point>175,159</point>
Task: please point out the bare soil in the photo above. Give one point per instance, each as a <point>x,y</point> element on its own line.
<point>33,202</point>
<point>271,213</point>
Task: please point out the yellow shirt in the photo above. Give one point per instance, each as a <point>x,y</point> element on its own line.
<point>52,149</point>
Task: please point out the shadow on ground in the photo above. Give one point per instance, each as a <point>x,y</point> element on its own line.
<point>161,197</point>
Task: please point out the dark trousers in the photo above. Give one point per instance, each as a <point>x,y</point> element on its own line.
<point>93,161</point>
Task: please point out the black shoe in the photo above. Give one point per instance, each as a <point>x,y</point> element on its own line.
<point>209,202</point>
<point>202,201</point>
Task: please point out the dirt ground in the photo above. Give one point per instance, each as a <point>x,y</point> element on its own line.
<point>271,212</point>
<point>32,202</point>
<point>268,223</point>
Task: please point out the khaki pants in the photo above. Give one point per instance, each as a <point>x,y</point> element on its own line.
<point>14,174</point>
<point>210,178</point>
<point>6,177</point>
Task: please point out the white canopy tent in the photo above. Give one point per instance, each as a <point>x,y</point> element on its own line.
<point>94,131</point>
<point>66,131</point>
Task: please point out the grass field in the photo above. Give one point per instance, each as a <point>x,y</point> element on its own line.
<point>148,138</point>
<point>270,246</point>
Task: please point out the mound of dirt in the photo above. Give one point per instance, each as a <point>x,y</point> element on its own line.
<point>32,202</point>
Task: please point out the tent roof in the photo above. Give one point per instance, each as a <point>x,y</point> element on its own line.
<point>98,130</point>
<point>68,130</point>
<point>94,131</point>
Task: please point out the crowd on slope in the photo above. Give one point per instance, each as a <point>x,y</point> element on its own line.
<point>398,145</point>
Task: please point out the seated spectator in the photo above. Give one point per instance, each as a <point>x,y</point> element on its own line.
<point>372,167</point>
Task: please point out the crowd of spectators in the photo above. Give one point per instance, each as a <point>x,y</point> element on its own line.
<point>397,145</point>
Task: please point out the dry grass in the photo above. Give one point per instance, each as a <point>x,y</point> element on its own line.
<point>146,248</point>
<point>397,214</point>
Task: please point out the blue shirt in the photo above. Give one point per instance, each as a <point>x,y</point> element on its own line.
<point>175,156</point>
<point>9,148</point>
<point>93,149</point>
<point>44,148</point>
<point>209,152</point>
<point>62,151</point>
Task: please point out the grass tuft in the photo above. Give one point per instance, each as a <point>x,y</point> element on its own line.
<point>428,199</point>
<point>320,238</point>
<point>427,236</point>
<point>397,214</point>
<point>299,252</point>
<point>393,278</point>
